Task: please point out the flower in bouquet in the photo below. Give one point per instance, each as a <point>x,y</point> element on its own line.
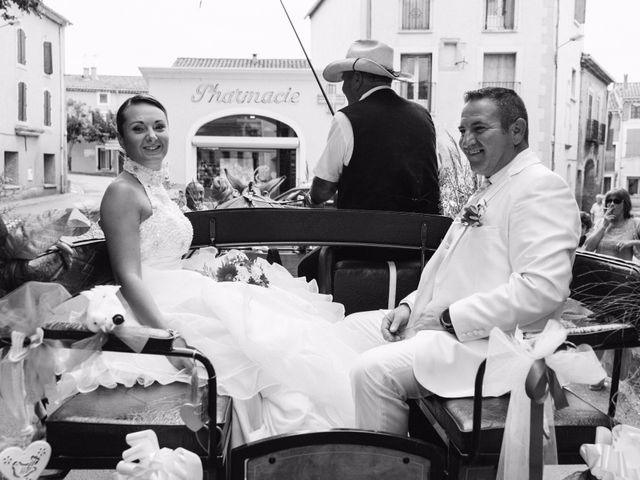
<point>236,266</point>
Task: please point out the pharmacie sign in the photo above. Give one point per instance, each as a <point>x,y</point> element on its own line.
<point>212,93</point>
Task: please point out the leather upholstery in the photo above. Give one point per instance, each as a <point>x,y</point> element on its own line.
<point>95,424</point>
<point>364,285</point>
<point>574,425</point>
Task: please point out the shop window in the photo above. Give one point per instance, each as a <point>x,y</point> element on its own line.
<point>499,70</point>
<point>633,184</point>
<point>48,59</point>
<point>415,15</point>
<point>246,126</point>
<point>49,169</point>
<point>499,15</point>
<point>22,102</point>
<point>47,108</point>
<point>419,90</point>
<point>22,47</point>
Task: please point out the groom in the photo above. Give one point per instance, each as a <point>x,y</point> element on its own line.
<point>505,263</point>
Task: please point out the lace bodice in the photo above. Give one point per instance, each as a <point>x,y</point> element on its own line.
<point>166,235</point>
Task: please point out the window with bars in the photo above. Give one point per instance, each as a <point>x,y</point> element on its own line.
<point>47,108</point>
<point>499,15</point>
<point>499,70</point>
<point>22,102</point>
<point>48,59</point>
<point>22,47</point>
<point>420,88</point>
<point>415,15</point>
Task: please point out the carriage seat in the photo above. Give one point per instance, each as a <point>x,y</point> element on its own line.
<point>108,415</point>
<point>105,415</point>
<point>473,427</point>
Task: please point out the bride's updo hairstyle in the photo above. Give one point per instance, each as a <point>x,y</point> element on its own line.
<point>135,100</point>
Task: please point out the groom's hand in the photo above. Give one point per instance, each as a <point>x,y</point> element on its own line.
<point>394,323</point>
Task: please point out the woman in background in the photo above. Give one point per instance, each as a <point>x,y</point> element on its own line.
<point>618,235</point>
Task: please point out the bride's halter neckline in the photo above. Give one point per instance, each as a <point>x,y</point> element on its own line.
<point>145,175</point>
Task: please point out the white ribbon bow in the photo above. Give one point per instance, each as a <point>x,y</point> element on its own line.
<point>509,360</point>
<point>614,456</point>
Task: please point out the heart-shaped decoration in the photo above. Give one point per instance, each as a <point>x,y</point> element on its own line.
<point>27,464</point>
<point>191,416</point>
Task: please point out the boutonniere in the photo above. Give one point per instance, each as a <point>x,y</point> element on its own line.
<point>472,214</point>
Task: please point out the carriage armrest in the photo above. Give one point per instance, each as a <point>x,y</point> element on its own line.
<point>159,341</point>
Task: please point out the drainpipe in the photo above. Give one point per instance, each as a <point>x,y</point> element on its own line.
<point>368,19</point>
<point>63,115</point>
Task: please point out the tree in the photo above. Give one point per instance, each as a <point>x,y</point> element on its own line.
<point>27,6</point>
<point>87,125</point>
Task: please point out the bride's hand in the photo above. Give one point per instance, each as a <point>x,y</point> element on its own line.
<point>181,363</point>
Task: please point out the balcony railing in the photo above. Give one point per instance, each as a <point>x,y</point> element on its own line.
<point>498,22</point>
<point>512,85</point>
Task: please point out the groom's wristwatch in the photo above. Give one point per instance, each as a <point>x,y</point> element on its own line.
<point>445,321</point>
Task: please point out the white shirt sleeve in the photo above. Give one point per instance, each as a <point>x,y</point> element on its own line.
<point>338,151</point>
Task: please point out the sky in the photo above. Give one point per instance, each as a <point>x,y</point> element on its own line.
<point>118,36</point>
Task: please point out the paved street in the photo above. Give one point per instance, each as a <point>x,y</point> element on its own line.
<point>86,191</point>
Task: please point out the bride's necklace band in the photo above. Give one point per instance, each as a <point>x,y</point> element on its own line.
<point>145,175</point>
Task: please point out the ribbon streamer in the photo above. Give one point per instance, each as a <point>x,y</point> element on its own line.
<point>533,366</point>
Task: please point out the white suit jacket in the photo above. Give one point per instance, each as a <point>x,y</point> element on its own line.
<point>513,270</point>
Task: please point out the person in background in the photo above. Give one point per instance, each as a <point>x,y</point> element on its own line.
<point>597,210</point>
<point>381,149</point>
<point>618,234</point>
<point>195,195</point>
<point>586,224</point>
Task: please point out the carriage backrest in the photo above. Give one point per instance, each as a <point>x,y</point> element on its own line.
<point>298,226</point>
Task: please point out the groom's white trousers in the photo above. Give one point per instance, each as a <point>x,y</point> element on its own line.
<point>382,378</point>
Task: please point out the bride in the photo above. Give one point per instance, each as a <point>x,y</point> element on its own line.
<point>278,351</point>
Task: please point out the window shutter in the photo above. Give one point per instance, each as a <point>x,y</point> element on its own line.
<point>580,11</point>
<point>22,47</point>
<point>48,60</point>
<point>22,102</point>
<point>47,108</point>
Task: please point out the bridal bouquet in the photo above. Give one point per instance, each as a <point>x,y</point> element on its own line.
<point>236,266</point>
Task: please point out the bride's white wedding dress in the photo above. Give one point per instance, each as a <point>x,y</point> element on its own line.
<point>278,351</point>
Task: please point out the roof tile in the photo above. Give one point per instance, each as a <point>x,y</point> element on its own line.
<point>241,63</point>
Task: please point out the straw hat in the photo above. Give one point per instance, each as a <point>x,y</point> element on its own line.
<point>368,56</point>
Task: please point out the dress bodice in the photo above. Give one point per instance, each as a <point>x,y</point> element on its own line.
<point>166,235</point>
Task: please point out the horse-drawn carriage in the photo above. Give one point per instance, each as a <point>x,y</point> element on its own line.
<point>449,437</point>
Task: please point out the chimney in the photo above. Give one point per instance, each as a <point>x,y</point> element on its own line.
<point>94,73</point>
<point>85,72</point>
<point>254,57</point>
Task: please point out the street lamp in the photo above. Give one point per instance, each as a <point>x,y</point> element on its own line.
<point>577,36</point>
